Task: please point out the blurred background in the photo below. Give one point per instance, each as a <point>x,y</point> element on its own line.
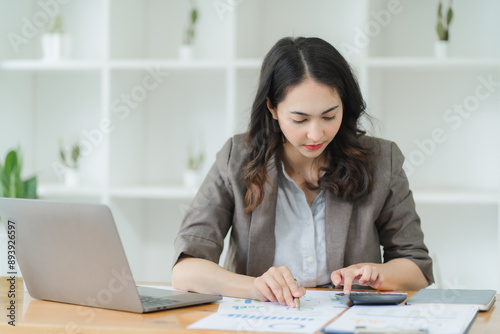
<point>126,102</point>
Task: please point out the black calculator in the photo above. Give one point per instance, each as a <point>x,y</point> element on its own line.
<point>372,298</point>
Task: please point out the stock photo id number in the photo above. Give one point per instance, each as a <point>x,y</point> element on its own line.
<point>11,267</point>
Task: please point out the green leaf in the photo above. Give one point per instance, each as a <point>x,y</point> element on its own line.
<point>10,162</point>
<point>19,160</point>
<point>11,183</point>
<point>75,154</point>
<point>12,186</point>
<point>30,187</point>
<point>16,184</point>
<point>440,31</point>
<point>449,17</point>
<point>55,26</point>
<point>19,188</point>
<point>4,183</point>
<point>440,10</point>
<point>194,15</point>
<point>63,156</point>
<point>17,168</point>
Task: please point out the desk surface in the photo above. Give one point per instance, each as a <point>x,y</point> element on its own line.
<point>37,316</point>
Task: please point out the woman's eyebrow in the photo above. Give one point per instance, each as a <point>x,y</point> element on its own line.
<point>305,114</point>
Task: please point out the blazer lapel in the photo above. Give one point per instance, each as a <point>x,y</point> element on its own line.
<point>337,220</point>
<point>262,244</point>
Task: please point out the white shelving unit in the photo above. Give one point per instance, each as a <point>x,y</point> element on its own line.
<point>126,94</point>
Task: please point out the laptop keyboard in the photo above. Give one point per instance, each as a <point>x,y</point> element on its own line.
<point>150,302</point>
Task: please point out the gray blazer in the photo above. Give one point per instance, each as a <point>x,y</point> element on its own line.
<point>354,230</point>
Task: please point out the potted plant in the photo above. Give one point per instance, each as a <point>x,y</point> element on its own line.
<point>70,157</point>
<point>442,29</point>
<point>12,184</point>
<point>186,48</point>
<point>195,159</point>
<point>55,43</point>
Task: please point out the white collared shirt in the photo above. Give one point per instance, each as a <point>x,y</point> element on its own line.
<point>300,233</point>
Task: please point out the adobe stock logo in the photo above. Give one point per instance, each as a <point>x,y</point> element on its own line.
<point>121,107</point>
<point>224,6</point>
<point>453,117</point>
<point>371,29</point>
<point>39,20</point>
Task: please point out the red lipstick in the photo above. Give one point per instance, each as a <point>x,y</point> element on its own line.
<point>313,147</point>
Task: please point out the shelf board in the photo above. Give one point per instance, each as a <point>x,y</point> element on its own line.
<point>153,192</point>
<point>49,190</point>
<point>42,65</point>
<point>142,64</point>
<point>429,62</point>
<point>242,63</point>
<point>456,197</point>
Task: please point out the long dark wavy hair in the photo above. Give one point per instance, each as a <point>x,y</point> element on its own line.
<point>289,62</point>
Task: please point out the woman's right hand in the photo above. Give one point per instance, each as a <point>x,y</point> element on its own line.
<point>278,284</point>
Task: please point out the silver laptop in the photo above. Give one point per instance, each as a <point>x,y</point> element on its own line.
<point>72,253</point>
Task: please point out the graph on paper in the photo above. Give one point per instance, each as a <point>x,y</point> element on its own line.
<point>316,309</point>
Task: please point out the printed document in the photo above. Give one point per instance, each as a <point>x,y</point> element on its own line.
<point>316,309</point>
<point>436,319</point>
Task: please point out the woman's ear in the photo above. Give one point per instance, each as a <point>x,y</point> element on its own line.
<point>271,109</point>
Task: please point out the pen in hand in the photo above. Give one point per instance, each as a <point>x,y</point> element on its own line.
<point>297,300</point>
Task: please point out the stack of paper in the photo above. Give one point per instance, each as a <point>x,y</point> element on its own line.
<point>316,309</point>
<point>432,319</point>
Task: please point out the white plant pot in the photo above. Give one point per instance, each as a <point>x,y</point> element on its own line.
<point>191,179</point>
<point>441,49</point>
<point>55,46</point>
<point>185,52</point>
<point>71,177</point>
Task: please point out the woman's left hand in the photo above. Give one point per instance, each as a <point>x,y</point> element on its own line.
<point>360,274</point>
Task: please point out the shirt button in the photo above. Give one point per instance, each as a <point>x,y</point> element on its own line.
<point>309,259</point>
<point>308,222</point>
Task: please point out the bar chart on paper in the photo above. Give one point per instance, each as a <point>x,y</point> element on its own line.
<point>316,309</point>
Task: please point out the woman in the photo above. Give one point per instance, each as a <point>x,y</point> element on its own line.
<point>309,198</point>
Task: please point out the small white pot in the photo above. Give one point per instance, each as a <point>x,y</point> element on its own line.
<point>185,52</point>
<point>191,178</point>
<point>441,49</point>
<point>55,46</point>
<point>71,177</point>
